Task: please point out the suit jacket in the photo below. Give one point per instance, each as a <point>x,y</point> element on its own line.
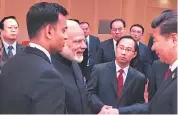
<point>142,50</point>
<point>156,74</point>
<point>150,57</point>
<point>19,48</point>
<point>76,100</point>
<point>90,54</point>
<point>163,102</point>
<point>29,84</point>
<point>105,52</point>
<point>102,87</point>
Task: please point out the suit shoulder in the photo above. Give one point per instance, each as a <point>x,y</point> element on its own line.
<point>106,42</point>
<point>95,37</point>
<point>102,65</point>
<point>145,46</point>
<point>138,74</point>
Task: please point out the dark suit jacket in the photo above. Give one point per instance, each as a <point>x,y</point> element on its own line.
<point>102,87</point>
<point>150,56</point>
<point>163,102</point>
<point>19,48</point>
<point>76,100</point>
<point>90,55</point>
<point>105,52</point>
<point>156,76</point>
<point>142,50</point>
<point>29,84</point>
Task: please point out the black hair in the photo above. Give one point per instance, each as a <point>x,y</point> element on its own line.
<point>138,25</point>
<point>115,20</point>
<point>42,14</point>
<point>167,22</point>
<point>4,19</point>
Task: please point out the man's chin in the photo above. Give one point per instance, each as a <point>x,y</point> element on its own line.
<point>79,59</point>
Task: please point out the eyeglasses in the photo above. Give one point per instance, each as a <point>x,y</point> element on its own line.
<point>115,29</point>
<point>127,50</point>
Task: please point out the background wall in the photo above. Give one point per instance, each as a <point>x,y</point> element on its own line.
<point>132,11</point>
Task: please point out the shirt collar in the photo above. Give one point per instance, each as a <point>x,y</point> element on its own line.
<point>138,43</point>
<point>87,38</point>
<point>40,48</point>
<point>174,65</point>
<point>6,45</point>
<point>114,43</point>
<point>118,68</point>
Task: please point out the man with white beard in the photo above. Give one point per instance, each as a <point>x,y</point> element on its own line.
<point>66,62</point>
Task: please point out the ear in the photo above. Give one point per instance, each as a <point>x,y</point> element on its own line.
<point>174,37</point>
<point>49,30</point>
<point>135,54</point>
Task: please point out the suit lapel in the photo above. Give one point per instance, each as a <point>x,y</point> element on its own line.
<point>5,57</point>
<point>141,48</point>
<point>165,84</point>
<point>112,73</point>
<point>90,44</point>
<point>19,48</point>
<point>129,80</point>
<point>111,48</point>
<point>77,73</point>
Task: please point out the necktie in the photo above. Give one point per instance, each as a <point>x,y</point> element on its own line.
<point>120,82</point>
<point>10,54</point>
<point>167,74</point>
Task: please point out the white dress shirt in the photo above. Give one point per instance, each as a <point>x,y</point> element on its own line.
<point>87,39</point>
<point>6,45</point>
<point>174,65</point>
<point>124,73</point>
<point>114,43</point>
<point>40,48</point>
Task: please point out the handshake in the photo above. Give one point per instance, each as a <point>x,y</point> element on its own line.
<point>109,110</point>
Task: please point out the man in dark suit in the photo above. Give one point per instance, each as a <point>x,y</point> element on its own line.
<point>90,52</point>
<point>165,99</point>
<point>29,83</point>
<point>109,86</point>
<point>67,64</point>
<point>9,31</point>
<point>106,51</point>
<point>155,75</point>
<point>137,31</point>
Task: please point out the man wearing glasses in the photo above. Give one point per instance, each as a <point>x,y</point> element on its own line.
<point>106,50</point>
<point>9,28</point>
<point>116,84</point>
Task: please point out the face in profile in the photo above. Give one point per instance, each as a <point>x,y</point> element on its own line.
<point>11,29</point>
<point>75,45</point>
<point>163,45</point>
<point>125,51</point>
<point>59,33</point>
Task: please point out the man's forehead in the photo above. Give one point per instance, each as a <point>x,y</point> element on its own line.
<point>127,42</point>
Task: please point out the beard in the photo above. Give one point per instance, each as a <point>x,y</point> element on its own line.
<point>70,55</point>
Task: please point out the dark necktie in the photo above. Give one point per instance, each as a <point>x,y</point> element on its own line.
<point>10,54</point>
<point>120,82</point>
<point>167,74</point>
